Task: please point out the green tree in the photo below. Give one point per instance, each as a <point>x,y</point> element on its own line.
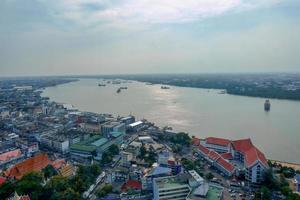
<point>31,184</point>
<point>49,171</point>
<point>104,190</point>
<point>6,189</point>
<point>264,193</point>
<point>114,149</point>
<point>209,176</point>
<point>143,151</point>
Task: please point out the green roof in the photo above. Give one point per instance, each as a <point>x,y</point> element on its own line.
<point>116,134</point>
<point>214,193</point>
<point>82,147</point>
<point>99,142</point>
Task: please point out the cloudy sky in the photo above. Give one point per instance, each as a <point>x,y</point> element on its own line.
<point>59,37</point>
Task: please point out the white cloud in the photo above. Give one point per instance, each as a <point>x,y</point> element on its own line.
<point>147,11</point>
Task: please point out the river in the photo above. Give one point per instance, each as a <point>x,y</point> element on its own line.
<point>200,112</point>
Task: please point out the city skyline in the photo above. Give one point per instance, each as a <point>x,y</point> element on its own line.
<point>127,37</point>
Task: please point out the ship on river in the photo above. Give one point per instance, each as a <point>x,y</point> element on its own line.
<point>267,105</point>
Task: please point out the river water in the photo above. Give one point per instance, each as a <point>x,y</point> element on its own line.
<point>200,112</point>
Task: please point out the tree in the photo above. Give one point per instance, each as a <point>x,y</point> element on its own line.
<point>49,171</point>
<point>114,149</point>
<point>30,184</point>
<point>106,158</point>
<point>264,193</point>
<point>104,190</point>
<point>209,176</point>
<point>143,151</point>
<point>6,189</point>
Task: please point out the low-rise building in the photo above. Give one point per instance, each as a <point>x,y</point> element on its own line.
<point>297,182</point>
<point>170,187</point>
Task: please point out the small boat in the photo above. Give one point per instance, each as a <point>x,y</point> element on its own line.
<point>164,87</point>
<point>119,90</point>
<point>101,85</point>
<point>123,88</point>
<point>223,92</point>
<point>267,105</point>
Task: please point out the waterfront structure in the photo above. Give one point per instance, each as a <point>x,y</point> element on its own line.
<point>136,126</point>
<point>220,152</point>
<point>110,127</point>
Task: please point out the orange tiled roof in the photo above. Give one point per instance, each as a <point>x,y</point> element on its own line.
<point>58,163</point>
<point>218,141</point>
<point>36,163</point>
<point>213,155</point>
<point>195,141</point>
<point>203,149</point>
<point>226,156</point>
<point>226,165</point>
<point>10,154</point>
<point>131,184</point>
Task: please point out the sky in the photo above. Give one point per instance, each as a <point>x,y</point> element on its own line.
<point>75,37</point>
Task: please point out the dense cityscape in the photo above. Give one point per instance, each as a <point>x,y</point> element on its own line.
<point>50,150</point>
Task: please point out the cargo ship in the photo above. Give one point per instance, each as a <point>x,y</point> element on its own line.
<point>267,105</point>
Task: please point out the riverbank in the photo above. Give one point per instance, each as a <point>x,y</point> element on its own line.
<point>295,166</point>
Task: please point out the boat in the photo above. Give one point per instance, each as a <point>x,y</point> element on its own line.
<point>164,87</point>
<point>267,105</point>
<point>101,85</point>
<point>123,88</point>
<point>223,92</point>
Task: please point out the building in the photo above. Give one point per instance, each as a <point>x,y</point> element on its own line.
<point>170,187</point>
<point>18,197</point>
<point>221,152</point>
<point>10,158</point>
<point>216,160</point>
<point>131,185</point>
<point>297,182</point>
<point>56,143</point>
<point>109,127</point>
<point>151,174</point>
<point>36,163</point>
<point>94,147</point>
<point>136,126</point>
<point>126,158</point>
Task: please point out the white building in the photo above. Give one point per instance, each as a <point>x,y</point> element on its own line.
<point>171,187</point>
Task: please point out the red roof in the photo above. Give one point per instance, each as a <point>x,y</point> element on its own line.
<point>195,141</point>
<point>25,197</point>
<point>253,155</point>
<point>203,149</point>
<point>242,145</point>
<point>2,180</point>
<point>131,184</point>
<point>36,163</point>
<point>59,163</point>
<point>213,155</point>
<point>226,156</point>
<point>10,154</point>
<point>226,165</point>
<point>217,141</point>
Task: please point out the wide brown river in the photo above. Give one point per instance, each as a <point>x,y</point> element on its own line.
<point>200,112</point>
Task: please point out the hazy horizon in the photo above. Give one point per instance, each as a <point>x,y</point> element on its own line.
<point>101,37</point>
